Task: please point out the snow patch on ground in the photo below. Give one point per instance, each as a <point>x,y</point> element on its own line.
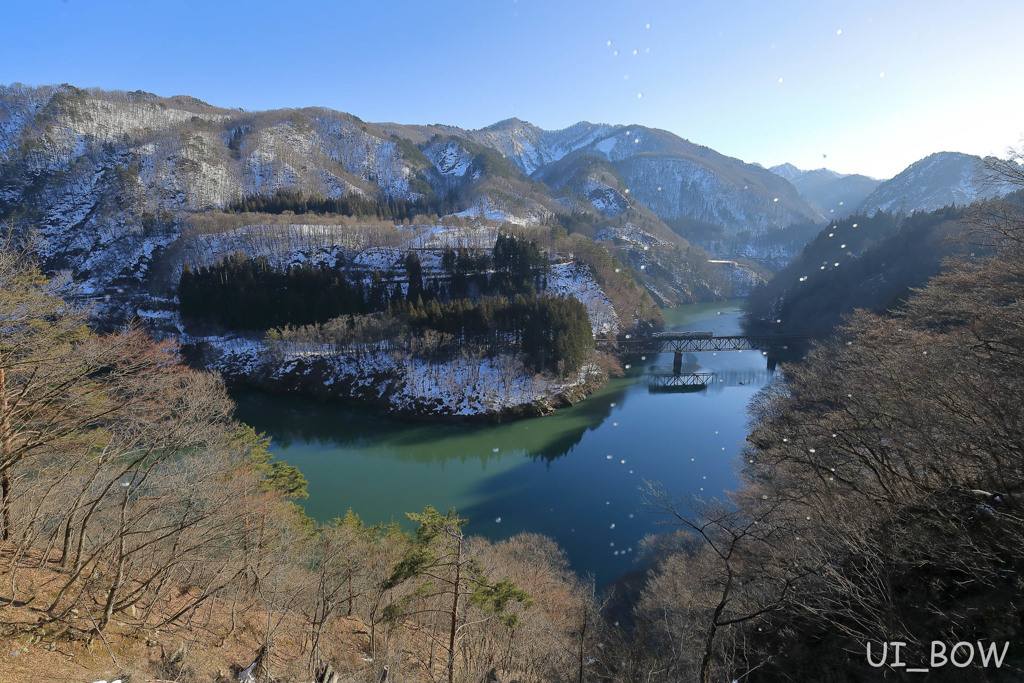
<point>607,200</point>
<point>630,233</point>
<point>607,145</point>
<point>575,280</point>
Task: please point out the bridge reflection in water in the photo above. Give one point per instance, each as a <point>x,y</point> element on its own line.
<point>663,382</point>
<point>678,343</point>
<point>668,382</point>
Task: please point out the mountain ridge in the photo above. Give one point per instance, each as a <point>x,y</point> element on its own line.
<point>939,179</point>
<point>113,183</point>
<point>111,179</point>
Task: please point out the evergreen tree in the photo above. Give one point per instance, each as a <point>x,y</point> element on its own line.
<point>414,270</point>
<point>448,576</point>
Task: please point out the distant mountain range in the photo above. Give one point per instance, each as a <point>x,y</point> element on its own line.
<point>941,179</point>
<point>671,176</point>
<point>838,195</point>
<point>111,180</point>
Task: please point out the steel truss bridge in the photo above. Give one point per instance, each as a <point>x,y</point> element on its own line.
<point>678,343</point>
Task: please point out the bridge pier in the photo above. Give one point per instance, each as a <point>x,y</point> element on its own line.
<point>773,360</point>
<point>677,362</point>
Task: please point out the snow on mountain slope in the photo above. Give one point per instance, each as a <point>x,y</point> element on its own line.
<point>788,171</point>
<point>576,136</point>
<point>575,280</point>
<point>322,152</point>
<point>506,210</point>
<point>672,176</point>
<point>607,200</point>
<point>676,178</point>
<point>101,175</point>
<point>450,159</point>
<point>375,159</point>
<point>18,107</point>
<point>530,147</point>
<point>674,186</point>
<point>936,181</point>
<point>591,178</point>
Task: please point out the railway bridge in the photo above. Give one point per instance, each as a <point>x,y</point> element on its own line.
<point>678,343</point>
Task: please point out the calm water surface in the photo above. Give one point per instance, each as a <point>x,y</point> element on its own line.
<point>575,475</point>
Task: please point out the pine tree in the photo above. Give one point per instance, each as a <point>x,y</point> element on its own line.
<point>438,560</point>
<point>414,270</point>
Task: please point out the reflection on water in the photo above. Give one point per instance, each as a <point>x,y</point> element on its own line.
<point>295,421</point>
<point>574,475</point>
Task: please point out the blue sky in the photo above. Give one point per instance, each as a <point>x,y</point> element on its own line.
<point>866,87</point>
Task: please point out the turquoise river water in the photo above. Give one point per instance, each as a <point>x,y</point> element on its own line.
<point>575,475</point>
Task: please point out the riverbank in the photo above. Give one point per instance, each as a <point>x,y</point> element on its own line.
<point>491,389</point>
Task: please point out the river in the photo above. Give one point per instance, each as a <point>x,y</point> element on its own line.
<point>575,476</point>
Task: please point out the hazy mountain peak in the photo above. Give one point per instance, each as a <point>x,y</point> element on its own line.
<point>791,172</point>
<point>787,171</point>
<point>838,194</point>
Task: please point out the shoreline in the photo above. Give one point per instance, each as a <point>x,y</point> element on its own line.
<point>487,390</point>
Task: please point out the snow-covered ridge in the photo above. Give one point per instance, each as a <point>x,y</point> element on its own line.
<point>936,181</point>
<point>530,147</point>
<point>676,178</point>
<point>374,159</point>
<point>792,173</point>
<point>181,157</point>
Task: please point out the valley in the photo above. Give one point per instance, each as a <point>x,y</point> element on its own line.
<point>243,350</point>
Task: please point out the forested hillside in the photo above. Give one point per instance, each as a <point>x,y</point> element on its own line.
<point>859,262</point>
<point>880,501</point>
<point>151,537</point>
<point>496,303</point>
<point>148,201</point>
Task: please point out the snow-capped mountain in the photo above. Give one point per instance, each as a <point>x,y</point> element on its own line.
<point>936,181</point>
<point>116,170</point>
<point>837,194</point>
<point>672,176</point>
<point>678,179</point>
<point>791,172</point>
<point>113,182</point>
